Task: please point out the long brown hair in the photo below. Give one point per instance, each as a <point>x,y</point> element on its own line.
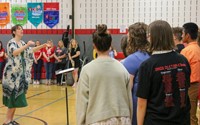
<point>137,38</point>
<point>161,37</point>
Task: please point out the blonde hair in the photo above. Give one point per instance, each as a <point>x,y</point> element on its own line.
<point>70,45</point>
<point>62,44</point>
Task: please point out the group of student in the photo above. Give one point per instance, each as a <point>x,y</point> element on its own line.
<point>55,58</point>
<point>156,84</point>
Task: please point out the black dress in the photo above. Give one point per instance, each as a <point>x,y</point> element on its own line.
<point>76,59</point>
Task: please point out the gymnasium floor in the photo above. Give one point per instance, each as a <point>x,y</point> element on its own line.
<point>46,106</point>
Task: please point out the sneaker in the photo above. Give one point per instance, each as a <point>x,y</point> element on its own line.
<point>15,123</point>
<point>74,85</point>
<point>49,82</point>
<point>37,83</point>
<point>34,82</point>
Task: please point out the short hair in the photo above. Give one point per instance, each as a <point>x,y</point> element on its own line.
<point>177,32</point>
<point>137,39</point>
<point>192,29</point>
<point>101,38</point>
<point>124,41</point>
<point>14,28</point>
<point>161,37</point>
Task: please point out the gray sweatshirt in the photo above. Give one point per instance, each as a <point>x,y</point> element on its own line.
<point>103,92</point>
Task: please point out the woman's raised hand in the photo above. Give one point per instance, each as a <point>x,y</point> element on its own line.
<point>47,45</point>
<point>30,42</point>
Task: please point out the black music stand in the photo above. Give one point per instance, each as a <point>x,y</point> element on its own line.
<point>66,93</point>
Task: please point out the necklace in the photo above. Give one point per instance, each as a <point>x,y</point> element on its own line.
<point>162,52</point>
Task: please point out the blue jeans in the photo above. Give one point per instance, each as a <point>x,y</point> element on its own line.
<point>49,69</point>
<point>1,69</point>
<point>37,70</point>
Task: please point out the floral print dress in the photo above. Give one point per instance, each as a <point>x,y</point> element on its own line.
<point>16,75</point>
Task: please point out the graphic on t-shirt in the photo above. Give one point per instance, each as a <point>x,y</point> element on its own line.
<point>181,82</point>
<point>49,52</point>
<point>167,81</point>
<point>166,72</point>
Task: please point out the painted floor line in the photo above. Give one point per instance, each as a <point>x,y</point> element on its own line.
<point>44,106</point>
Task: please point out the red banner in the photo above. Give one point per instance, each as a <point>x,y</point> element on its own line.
<point>51,14</point>
<point>51,6</point>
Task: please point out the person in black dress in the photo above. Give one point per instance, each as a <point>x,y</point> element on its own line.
<point>74,54</point>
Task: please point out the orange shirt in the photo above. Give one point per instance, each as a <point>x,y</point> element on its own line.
<point>192,53</point>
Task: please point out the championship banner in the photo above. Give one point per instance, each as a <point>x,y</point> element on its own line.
<point>35,13</point>
<point>4,14</point>
<point>19,14</point>
<point>51,14</point>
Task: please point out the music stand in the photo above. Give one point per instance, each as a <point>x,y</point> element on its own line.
<point>62,72</point>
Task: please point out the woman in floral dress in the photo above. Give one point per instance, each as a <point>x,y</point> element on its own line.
<point>17,73</point>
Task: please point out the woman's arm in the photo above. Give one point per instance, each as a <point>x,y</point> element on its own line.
<point>131,81</point>
<point>39,56</point>
<point>141,110</point>
<point>56,57</point>
<point>45,56</point>
<point>62,56</point>
<point>76,55</point>
<point>35,60</point>
<point>39,47</point>
<point>115,52</point>
<point>69,54</point>
<point>22,48</point>
<point>2,54</point>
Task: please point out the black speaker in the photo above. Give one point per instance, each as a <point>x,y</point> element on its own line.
<point>65,38</point>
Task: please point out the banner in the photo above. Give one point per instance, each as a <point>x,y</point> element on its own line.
<point>51,14</point>
<point>19,14</point>
<point>4,14</point>
<point>35,11</point>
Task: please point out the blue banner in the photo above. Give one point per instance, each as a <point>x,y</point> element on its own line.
<point>35,13</point>
<point>51,14</point>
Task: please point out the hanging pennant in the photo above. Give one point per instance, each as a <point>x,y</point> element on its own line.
<point>51,14</point>
<point>4,14</point>
<point>19,14</point>
<point>35,13</point>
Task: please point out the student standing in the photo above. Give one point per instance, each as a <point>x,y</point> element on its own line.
<point>2,60</point>
<point>74,58</point>
<point>103,93</point>
<point>37,64</point>
<point>192,53</point>
<point>164,80</point>
<point>137,45</point>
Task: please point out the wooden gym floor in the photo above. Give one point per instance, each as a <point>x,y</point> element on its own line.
<point>46,106</point>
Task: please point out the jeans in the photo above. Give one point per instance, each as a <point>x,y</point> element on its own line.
<point>59,66</point>
<point>1,69</point>
<point>49,69</point>
<point>37,70</point>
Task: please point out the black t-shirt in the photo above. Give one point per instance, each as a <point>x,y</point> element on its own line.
<point>76,59</point>
<point>164,80</point>
<point>179,47</point>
